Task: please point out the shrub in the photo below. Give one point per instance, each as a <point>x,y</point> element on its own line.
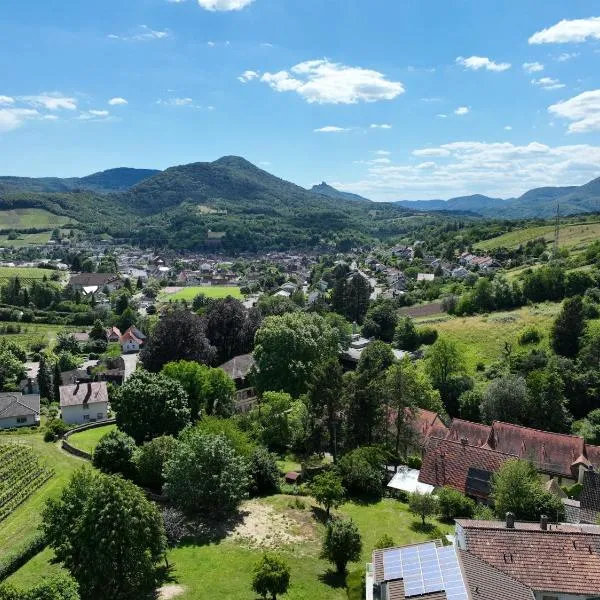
<point>342,544</point>
<point>530,335</point>
<point>264,473</point>
<point>114,453</point>
<point>414,462</point>
<point>452,504</point>
<point>573,491</point>
<point>361,471</point>
<point>13,562</point>
<point>422,505</point>
<point>55,428</point>
<point>271,576</point>
<point>150,460</point>
<point>385,541</point>
<point>427,335</point>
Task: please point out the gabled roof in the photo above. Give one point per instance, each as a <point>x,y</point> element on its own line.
<point>563,559</point>
<point>465,468</point>
<point>13,404</point>
<point>93,279</point>
<point>129,336</point>
<point>553,453</point>
<point>425,424</point>
<point>83,393</point>
<point>476,434</point>
<point>113,331</point>
<point>239,366</point>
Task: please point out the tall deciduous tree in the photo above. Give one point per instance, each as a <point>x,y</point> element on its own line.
<point>289,348</point>
<point>107,534</point>
<point>149,405</point>
<point>568,328</point>
<point>45,378</point>
<point>179,335</point>
<point>342,544</point>
<point>505,399</point>
<point>327,489</point>
<point>351,295</point>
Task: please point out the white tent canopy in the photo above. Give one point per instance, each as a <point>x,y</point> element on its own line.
<point>407,480</point>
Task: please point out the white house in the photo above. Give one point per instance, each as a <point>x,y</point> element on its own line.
<point>130,342</point>
<point>84,402</point>
<point>18,410</point>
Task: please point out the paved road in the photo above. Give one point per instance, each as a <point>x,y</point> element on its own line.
<point>131,361</point>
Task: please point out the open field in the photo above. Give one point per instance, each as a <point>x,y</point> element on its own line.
<point>482,337</point>
<point>579,234</point>
<point>21,525</point>
<point>26,218</point>
<point>189,293</point>
<point>88,440</point>
<point>34,332</point>
<point>275,522</point>
<point>25,239</point>
<point>25,273</point>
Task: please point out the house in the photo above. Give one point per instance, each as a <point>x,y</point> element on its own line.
<point>422,424</point>
<point>432,571</point>
<point>84,402</point>
<point>459,273</point>
<point>476,434</point>
<point>113,334</point>
<point>99,281</point>
<point>465,468</point>
<point>239,368</point>
<point>425,277</point>
<point>18,410</point>
<point>555,561</point>
<point>130,342</point>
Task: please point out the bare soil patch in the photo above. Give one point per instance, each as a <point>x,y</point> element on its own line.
<point>423,310</point>
<point>166,592</point>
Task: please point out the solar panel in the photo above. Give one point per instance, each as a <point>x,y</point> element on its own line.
<point>426,569</point>
<point>478,481</point>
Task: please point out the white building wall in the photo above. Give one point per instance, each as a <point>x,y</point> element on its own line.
<point>77,415</point>
<point>8,422</point>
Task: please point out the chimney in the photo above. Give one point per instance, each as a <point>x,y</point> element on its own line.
<point>544,523</point>
<point>510,520</point>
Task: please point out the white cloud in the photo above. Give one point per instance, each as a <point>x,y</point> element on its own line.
<point>326,82</point>
<point>247,76</point>
<point>50,101</point>
<point>224,5</point>
<point>431,152</point>
<point>99,113</point>
<point>431,99</point>
<point>266,45</point>
<point>143,34</point>
<point>382,152</point>
<point>210,44</point>
<point>441,116</point>
<point>117,101</point>
<point>176,102</point>
<point>508,128</point>
<point>331,129</point>
<point>462,110</point>
<point>565,56</point>
<point>575,30</point>
<point>12,118</point>
<point>498,169</point>
<point>583,110</point>
<point>380,126</point>
<point>6,100</point>
<point>474,63</point>
<point>548,83</point>
<point>94,115</point>
<point>533,67</point>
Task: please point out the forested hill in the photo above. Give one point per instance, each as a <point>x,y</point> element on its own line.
<point>326,190</point>
<point>536,203</point>
<point>229,203</point>
<point>112,180</point>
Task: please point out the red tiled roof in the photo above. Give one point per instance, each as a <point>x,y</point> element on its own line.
<point>426,423</point>
<point>563,559</point>
<point>476,433</point>
<point>452,463</point>
<point>593,454</point>
<point>129,336</point>
<point>552,453</point>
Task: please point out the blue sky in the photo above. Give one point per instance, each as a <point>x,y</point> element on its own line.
<point>392,99</point>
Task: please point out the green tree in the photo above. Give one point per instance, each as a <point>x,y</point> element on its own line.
<point>444,364</point>
<point>114,453</point>
<point>546,402</point>
<point>350,296</point>
<point>406,336</point>
<point>12,369</point>
<point>342,544</point>
<point>362,472</point>
<point>264,472</point>
<point>205,475</point>
<point>517,488</point>
<point>505,399</point>
<point>127,319</point>
<point>150,459</point>
<point>44,378</point>
<point>288,350</point>
<point>589,427</point>
<point>327,490</point>
<point>98,331</point>
<point>179,335</point>
<point>271,576</point>
<point>95,515</point>
<point>385,541</point>
<point>453,505</point>
<point>149,405</point>
<point>381,320</point>
<point>568,328</point>
<point>422,505</point>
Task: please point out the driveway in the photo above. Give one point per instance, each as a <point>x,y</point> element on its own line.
<point>131,361</point>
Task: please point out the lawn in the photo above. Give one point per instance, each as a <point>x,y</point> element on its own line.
<point>482,337</point>
<point>230,560</point>
<point>210,291</point>
<point>22,524</point>
<point>88,440</point>
<point>25,239</point>
<point>35,332</point>
<point>579,234</point>
<point>25,273</point>
<point>27,218</point>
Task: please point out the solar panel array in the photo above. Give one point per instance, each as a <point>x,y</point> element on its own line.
<point>426,568</point>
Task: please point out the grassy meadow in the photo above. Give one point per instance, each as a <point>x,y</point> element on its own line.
<point>210,291</point>
<point>25,239</point>
<point>88,440</point>
<point>27,218</point>
<point>28,273</point>
<point>35,332</point>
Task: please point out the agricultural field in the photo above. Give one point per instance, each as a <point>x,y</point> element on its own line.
<point>28,218</point>
<point>482,338</point>
<point>293,526</point>
<point>26,274</point>
<point>25,239</point>
<point>88,440</point>
<point>29,334</point>
<point>18,528</point>
<point>189,293</point>
<point>21,473</point>
<point>571,236</point>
